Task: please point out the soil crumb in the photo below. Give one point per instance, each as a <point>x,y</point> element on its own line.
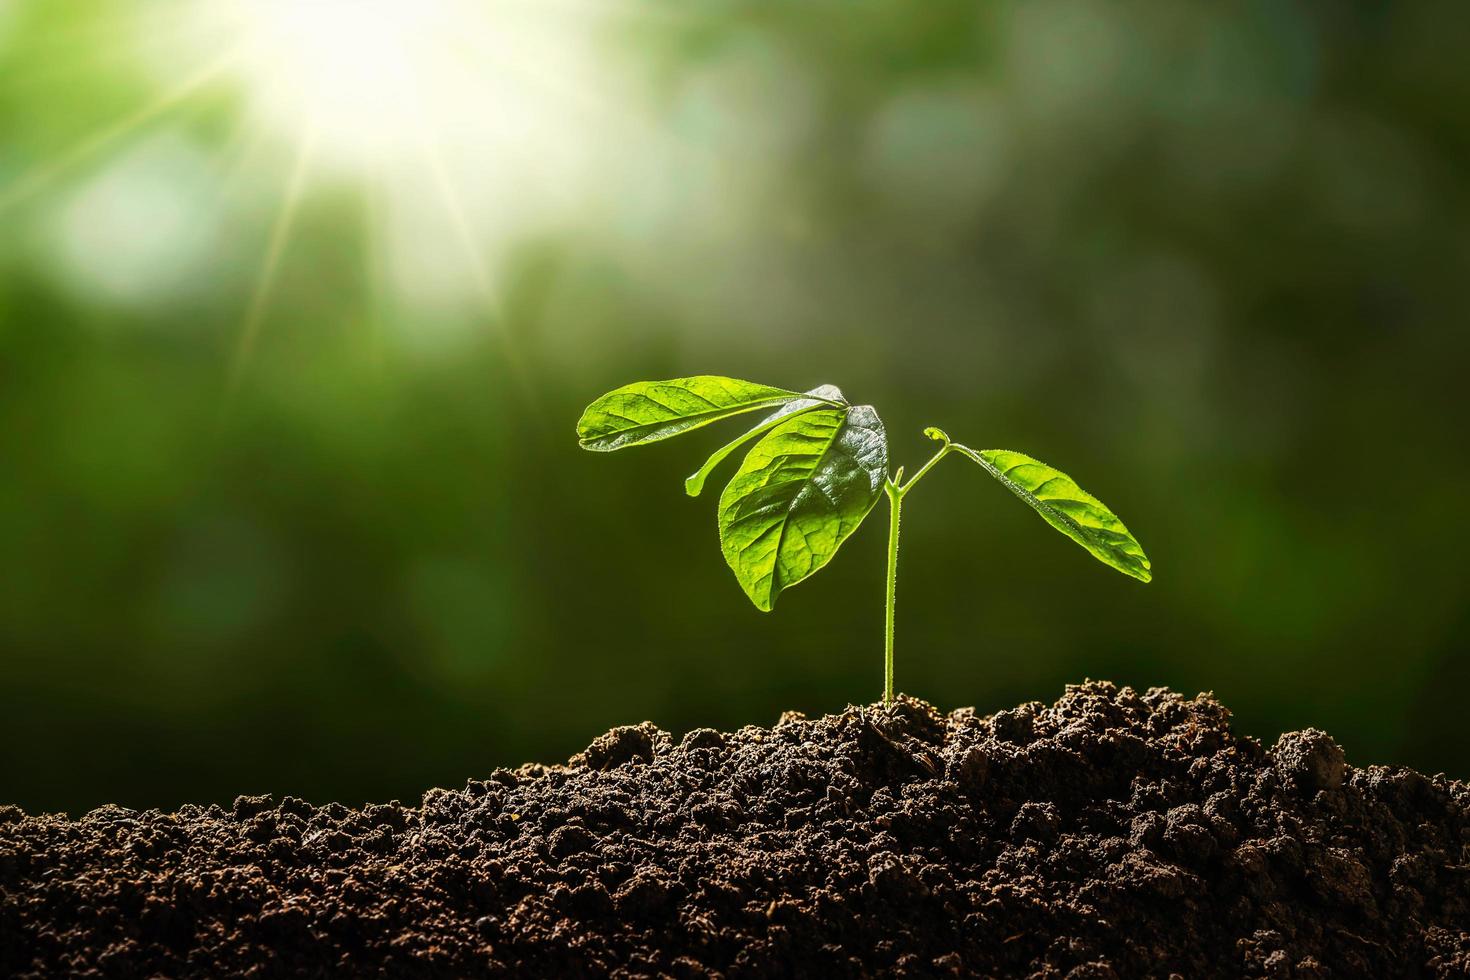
<point>1110,835</point>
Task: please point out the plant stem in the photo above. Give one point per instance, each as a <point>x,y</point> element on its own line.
<point>895,505</point>
<point>944,451</point>
<point>896,490</point>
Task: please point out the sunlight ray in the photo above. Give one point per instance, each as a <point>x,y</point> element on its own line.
<point>270,264</point>
<point>235,160</point>
<point>471,52</point>
<point>453,204</point>
<point>629,9</point>
<point>62,53</point>
<point>43,175</point>
<point>233,154</point>
<point>465,58</point>
<point>374,261</point>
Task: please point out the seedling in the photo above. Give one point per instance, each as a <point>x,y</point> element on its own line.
<point>818,469</point>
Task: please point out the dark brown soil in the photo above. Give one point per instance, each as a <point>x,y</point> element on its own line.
<point>1113,834</point>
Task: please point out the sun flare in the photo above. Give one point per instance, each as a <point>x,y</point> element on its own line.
<point>462,126</point>
<point>374,79</point>
<point>352,70</point>
<point>464,123</point>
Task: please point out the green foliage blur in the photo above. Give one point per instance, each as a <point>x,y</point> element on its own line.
<point>320,525</point>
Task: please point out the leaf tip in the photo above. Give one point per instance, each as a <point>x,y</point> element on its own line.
<point>1142,570</point>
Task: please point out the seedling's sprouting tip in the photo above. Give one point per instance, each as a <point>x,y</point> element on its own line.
<point>819,467</point>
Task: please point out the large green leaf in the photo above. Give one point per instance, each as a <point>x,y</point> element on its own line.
<point>648,411</point>
<point>1067,507</point>
<point>803,489</point>
<point>816,398</point>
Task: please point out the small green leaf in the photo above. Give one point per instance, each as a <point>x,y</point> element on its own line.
<point>936,433</point>
<point>803,489</point>
<point>1067,507</point>
<point>648,411</point>
<point>824,395</point>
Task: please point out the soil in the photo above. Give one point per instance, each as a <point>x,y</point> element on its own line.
<point>1111,835</point>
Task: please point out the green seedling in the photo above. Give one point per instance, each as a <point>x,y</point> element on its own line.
<point>819,467</point>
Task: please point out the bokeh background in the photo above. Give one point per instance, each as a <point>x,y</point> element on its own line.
<point>300,299</point>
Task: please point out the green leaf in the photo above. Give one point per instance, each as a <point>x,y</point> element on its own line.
<point>824,395</point>
<point>1067,507</point>
<point>648,411</point>
<point>803,489</point>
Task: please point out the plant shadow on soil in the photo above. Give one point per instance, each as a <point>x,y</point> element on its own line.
<point>1112,834</point>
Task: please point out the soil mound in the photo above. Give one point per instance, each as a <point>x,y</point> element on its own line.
<point>1111,835</point>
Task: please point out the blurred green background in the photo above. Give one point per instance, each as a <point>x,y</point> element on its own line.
<point>299,302</point>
